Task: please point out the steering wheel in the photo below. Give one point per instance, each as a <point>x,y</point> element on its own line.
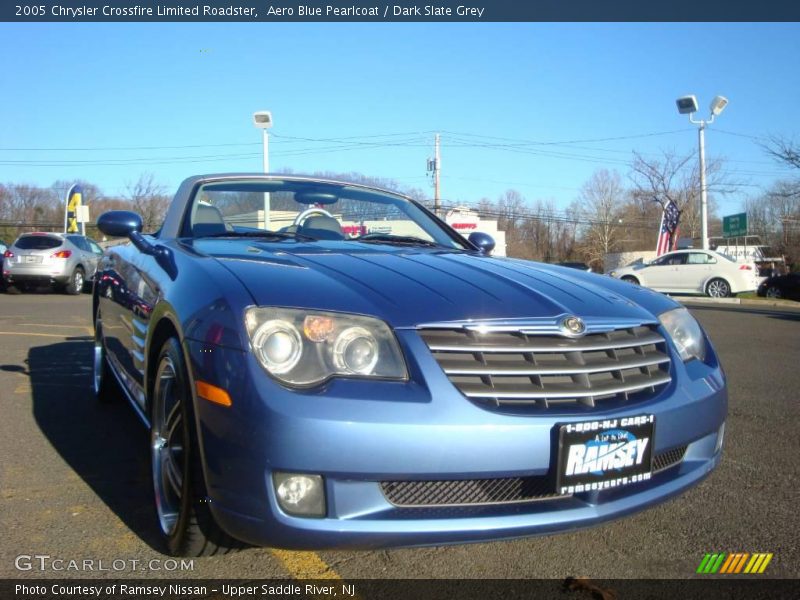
<point>314,210</point>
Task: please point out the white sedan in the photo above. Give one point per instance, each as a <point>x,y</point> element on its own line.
<point>692,272</point>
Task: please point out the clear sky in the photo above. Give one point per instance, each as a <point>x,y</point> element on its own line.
<point>105,102</point>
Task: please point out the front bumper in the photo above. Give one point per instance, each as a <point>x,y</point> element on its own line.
<point>357,434</point>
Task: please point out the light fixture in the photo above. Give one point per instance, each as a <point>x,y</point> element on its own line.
<point>687,105</point>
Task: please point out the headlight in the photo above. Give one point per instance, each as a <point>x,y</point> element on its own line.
<point>302,347</point>
<point>685,333</point>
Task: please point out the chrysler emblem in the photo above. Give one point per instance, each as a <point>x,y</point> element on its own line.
<point>572,326</point>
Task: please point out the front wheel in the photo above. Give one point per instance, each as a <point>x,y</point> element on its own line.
<point>774,292</point>
<point>103,383</point>
<point>718,288</point>
<point>630,279</point>
<point>187,525</point>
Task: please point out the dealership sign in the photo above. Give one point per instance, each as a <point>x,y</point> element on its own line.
<point>462,219</point>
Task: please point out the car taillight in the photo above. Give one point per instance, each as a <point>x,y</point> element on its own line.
<point>8,254</point>
<point>745,268</point>
<point>62,254</point>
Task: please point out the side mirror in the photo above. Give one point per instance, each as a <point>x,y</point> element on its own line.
<point>483,241</point>
<point>119,223</point>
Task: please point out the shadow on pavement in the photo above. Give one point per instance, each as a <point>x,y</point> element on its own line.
<point>105,444</point>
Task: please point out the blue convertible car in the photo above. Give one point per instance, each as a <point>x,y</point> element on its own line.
<point>328,365</point>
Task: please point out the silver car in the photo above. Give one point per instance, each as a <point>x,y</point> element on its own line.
<point>65,261</point>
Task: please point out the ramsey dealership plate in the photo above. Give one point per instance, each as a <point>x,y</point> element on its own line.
<point>597,455</point>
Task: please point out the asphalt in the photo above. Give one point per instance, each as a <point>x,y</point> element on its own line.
<point>74,474</point>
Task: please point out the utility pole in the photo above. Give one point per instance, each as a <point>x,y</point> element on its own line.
<point>434,166</point>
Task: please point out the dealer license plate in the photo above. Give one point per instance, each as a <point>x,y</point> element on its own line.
<point>604,454</point>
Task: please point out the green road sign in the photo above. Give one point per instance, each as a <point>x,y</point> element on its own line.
<point>734,225</point>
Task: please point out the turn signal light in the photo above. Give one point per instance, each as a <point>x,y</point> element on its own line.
<point>212,393</point>
<point>62,254</point>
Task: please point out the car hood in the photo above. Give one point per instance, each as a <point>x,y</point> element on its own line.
<point>410,286</point>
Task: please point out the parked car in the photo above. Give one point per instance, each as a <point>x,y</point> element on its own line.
<point>781,286</point>
<point>3,248</point>
<point>692,272</point>
<point>65,261</point>
<point>350,372</point>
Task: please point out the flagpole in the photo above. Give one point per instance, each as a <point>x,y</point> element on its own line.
<point>660,227</point>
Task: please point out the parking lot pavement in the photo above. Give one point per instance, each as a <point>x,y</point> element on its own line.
<point>75,474</point>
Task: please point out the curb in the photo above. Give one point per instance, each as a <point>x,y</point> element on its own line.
<point>740,301</point>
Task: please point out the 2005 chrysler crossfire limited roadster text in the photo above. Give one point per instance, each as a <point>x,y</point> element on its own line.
<point>328,365</point>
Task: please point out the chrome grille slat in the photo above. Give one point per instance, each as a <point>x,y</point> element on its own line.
<point>471,368</point>
<point>561,390</point>
<point>543,370</point>
<point>587,344</point>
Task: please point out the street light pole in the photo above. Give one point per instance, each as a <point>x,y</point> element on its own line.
<point>687,105</point>
<point>266,149</point>
<point>703,191</point>
<point>263,121</point>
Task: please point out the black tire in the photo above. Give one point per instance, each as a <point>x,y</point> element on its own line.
<point>718,288</point>
<point>186,523</point>
<point>76,282</point>
<point>104,384</point>
<point>774,291</point>
<point>630,279</point>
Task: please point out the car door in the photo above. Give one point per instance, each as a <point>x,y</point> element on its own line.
<point>692,276</point>
<point>662,273</point>
<point>96,255</point>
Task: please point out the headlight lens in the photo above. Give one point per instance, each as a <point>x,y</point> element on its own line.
<point>303,348</point>
<point>685,333</point>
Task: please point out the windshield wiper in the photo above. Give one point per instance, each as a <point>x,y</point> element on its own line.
<point>278,235</point>
<point>388,238</point>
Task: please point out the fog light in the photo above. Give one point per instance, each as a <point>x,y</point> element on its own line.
<point>720,436</point>
<point>299,494</point>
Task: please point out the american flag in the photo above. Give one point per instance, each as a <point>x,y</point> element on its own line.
<point>669,226</point>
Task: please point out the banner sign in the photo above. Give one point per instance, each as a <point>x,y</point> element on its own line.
<point>74,199</point>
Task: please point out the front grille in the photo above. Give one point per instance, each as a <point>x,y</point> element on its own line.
<point>667,459</point>
<point>519,370</point>
<point>476,492</point>
<point>468,491</point>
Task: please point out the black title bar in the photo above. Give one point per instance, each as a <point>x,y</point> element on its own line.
<point>398,11</point>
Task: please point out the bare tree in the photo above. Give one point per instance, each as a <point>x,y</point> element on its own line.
<point>149,200</point>
<point>784,150</point>
<point>600,203</point>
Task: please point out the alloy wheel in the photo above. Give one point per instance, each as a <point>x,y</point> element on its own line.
<point>719,289</point>
<point>167,446</point>
<point>774,292</point>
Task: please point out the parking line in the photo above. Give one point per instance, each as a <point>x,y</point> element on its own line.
<point>30,333</point>
<point>304,565</point>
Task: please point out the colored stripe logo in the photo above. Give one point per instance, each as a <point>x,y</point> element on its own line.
<point>735,562</point>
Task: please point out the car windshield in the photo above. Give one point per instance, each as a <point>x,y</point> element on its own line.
<point>312,210</point>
